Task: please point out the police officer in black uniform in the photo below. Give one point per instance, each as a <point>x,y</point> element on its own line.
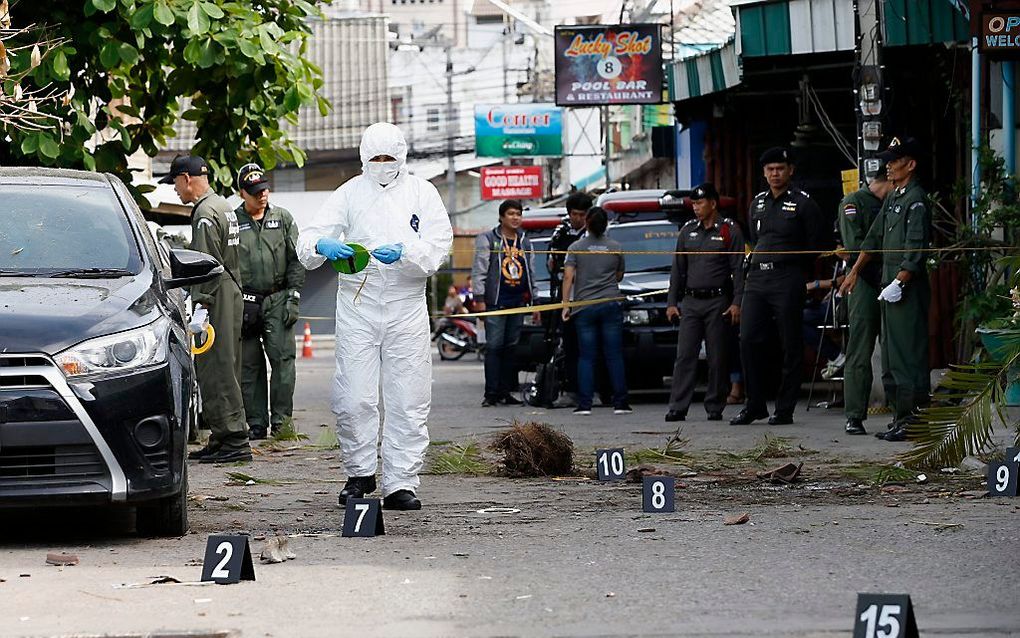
<point>705,293</point>
<point>781,218</point>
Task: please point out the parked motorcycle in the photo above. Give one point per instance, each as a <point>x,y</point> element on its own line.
<point>456,337</point>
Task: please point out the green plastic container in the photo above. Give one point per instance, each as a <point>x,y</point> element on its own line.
<point>994,341</point>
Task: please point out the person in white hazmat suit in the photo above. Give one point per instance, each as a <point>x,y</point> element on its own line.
<point>382,322</point>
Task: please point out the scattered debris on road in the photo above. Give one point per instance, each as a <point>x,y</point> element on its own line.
<point>535,449</point>
<point>787,473</point>
<point>737,519</point>
<point>277,550</point>
<point>61,559</point>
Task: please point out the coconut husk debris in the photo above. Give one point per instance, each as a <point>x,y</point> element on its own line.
<point>535,449</point>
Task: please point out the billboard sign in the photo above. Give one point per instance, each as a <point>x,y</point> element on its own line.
<point>1000,33</point>
<point>511,182</point>
<point>602,64</point>
<point>518,130</point>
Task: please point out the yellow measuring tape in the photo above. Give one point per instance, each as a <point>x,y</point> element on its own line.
<point>210,338</point>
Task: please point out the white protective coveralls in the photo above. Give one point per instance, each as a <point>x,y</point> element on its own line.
<point>384,327</point>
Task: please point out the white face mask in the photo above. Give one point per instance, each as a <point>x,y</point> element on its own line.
<point>383,172</point>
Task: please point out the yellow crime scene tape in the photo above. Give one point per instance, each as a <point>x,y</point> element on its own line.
<point>592,302</point>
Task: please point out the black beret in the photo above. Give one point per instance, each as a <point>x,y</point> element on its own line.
<point>776,155</point>
<point>705,191</point>
<point>907,147</point>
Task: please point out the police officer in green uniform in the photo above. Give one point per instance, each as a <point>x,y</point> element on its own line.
<point>214,231</point>
<point>857,212</point>
<point>273,278</point>
<point>782,219</point>
<point>704,293</point>
<point>903,232</point>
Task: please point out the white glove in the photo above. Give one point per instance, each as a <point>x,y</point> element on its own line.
<point>891,293</point>
<point>199,320</point>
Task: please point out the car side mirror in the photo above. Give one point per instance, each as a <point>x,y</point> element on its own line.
<point>190,267</point>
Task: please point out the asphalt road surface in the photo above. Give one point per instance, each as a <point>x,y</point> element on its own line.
<point>565,556</point>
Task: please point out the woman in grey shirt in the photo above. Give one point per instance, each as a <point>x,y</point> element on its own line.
<point>593,269</point>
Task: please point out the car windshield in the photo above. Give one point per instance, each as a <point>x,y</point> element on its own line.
<point>651,237</point>
<point>541,259</point>
<point>64,231</point>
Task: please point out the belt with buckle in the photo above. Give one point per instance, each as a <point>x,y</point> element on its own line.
<point>704,293</point>
<point>774,265</point>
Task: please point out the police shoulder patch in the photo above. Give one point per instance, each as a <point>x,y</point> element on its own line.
<point>850,210</point>
<point>205,220</point>
<point>916,205</point>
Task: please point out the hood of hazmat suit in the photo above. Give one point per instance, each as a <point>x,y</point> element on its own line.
<point>382,323</point>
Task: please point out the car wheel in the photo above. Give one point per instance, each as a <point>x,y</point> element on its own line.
<point>167,516</point>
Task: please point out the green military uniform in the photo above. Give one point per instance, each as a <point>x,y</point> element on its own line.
<point>857,212</point>
<point>904,227</point>
<point>214,231</point>
<point>271,271</point>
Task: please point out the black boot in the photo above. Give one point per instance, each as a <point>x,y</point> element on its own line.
<point>855,426</point>
<point>208,450</point>
<point>401,500</point>
<point>675,415</point>
<point>357,487</point>
<point>781,419</point>
<point>746,417</point>
<point>898,433</point>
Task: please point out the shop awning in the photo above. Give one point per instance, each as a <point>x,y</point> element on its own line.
<point>707,72</point>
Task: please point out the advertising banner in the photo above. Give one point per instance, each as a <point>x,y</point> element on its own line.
<point>516,130</point>
<point>511,182</point>
<point>1000,33</point>
<point>599,64</point>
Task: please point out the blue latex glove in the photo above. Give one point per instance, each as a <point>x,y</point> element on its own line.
<point>388,253</point>
<point>333,249</point>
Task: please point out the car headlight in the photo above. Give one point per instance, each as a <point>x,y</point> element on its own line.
<point>637,317</point>
<point>119,352</point>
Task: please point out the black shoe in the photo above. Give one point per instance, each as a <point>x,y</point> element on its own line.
<point>781,419</point>
<point>675,415</point>
<point>401,500</point>
<point>855,426</point>
<point>715,416</point>
<point>489,402</point>
<point>511,400</point>
<point>623,408</point>
<point>898,433</point>
<point>228,456</point>
<point>746,417</point>
<point>889,428</point>
<point>203,453</point>
<point>357,487</point>
<point>257,434</point>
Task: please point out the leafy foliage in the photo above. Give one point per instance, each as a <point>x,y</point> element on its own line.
<point>961,421</point>
<point>130,66</point>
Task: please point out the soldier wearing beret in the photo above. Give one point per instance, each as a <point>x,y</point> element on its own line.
<point>781,218</point>
<point>704,293</point>
<point>857,212</point>
<point>903,232</point>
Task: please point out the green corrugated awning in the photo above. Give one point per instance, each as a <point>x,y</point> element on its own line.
<point>916,22</point>
<point>709,72</point>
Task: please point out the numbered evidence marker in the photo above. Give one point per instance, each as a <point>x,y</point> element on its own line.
<point>1002,475</point>
<point>884,616</point>
<point>227,560</point>
<point>363,517</point>
<point>609,464</point>
<point>658,494</point>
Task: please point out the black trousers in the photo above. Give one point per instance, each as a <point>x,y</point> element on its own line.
<point>778,296</point>
<point>701,319</point>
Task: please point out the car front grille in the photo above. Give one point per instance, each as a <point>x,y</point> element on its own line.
<point>51,466</point>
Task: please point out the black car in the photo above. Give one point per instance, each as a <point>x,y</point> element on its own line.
<point>95,360</point>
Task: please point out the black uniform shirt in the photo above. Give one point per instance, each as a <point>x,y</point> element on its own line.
<point>791,221</point>
<point>707,271</point>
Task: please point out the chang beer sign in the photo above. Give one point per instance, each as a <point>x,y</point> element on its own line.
<point>518,130</point>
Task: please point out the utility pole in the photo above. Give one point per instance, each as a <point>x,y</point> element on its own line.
<point>870,88</point>
<point>506,56</point>
<point>451,170</point>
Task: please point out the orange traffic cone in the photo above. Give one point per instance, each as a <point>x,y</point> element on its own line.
<point>306,347</point>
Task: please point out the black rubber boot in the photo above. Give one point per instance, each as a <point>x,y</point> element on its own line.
<point>402,500</point>
<point>357,487</point>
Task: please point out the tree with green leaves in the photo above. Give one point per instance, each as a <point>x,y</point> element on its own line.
<point>129,69</point>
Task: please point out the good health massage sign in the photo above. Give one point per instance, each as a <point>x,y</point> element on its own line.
<point>601,64</point>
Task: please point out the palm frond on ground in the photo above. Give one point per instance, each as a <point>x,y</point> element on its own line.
<point>960,421</point>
